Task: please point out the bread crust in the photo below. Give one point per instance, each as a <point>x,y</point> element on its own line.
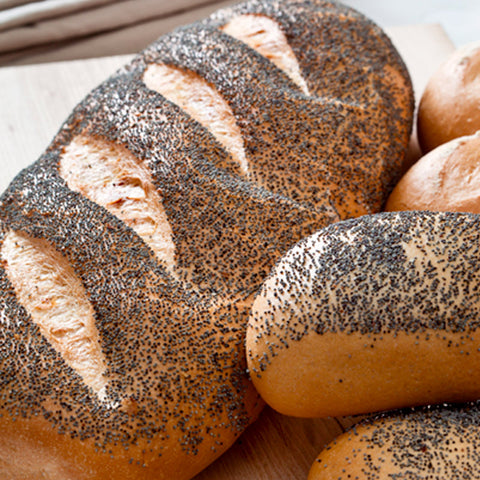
<point>345,140</point>
<point>435,442</point>
<point>449,107</point>
<point>370,314</point>
<point>447,179</point>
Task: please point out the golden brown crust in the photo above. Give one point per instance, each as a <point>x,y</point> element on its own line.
<point>449,107</point>
<point>446,179</point>
<point>434,443</point>
<point>370,314</point>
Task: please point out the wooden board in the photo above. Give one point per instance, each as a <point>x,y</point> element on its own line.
<point>33,103</point>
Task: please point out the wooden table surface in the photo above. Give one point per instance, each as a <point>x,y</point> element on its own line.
<point>35,100</point>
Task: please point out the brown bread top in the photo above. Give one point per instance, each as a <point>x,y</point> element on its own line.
<point>434,443</point>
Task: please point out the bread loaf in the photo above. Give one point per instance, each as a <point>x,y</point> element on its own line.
<point>131,250</point>
<point>449,106</point>
<point>371,314</point>
<point>446,179</point>
<point>436,442</point>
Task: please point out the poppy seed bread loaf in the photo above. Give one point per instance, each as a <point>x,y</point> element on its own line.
<point>131,250</point>
<point>371,314</point>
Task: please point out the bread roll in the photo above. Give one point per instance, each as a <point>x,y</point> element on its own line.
<point>437,442</point>
<point>449,107</point>
<point>446,179</point>
<point>371,314</point>
<point>131,250</point>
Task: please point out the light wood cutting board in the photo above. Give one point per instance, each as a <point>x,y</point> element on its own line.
<point>34,101</point>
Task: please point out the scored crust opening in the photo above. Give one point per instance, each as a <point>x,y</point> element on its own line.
<point>55,298</point>
<point>202,102</point>
<point>109,175</point>
<point>265,36</point>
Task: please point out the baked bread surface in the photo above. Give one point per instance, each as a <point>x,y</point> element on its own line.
<point>434,443</point>
<point>370,314</point>
<point>445,179</point>
<point>449,108</point>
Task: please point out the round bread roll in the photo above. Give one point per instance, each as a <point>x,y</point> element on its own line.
<point>446,179</point>
<point>132,249</point>
<point>437,442</point>
<point>371,314</point>
<point>450,105</point>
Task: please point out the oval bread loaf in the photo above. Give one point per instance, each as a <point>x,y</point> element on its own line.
<point>436,443</point>
<point>446,179</point>
<point>450,105</point>
<point>132,249</point>
<point>371,314</point>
